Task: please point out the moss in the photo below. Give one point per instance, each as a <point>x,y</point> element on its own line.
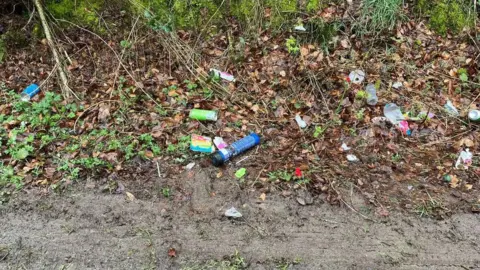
<point>80,11</point>
<point>447,15</point>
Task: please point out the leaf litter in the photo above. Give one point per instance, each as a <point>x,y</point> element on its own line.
<point>103,138</point>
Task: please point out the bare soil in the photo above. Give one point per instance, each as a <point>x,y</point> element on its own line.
<point>86,228</point>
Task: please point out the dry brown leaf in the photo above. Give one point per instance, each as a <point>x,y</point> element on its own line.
<point>172,252</point>
<point>303,51</point>
<point>454,182</point>
<point>103,113</point>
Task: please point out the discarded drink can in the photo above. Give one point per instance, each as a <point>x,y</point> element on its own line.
<point>203,115</point>
<point>474,115</point>
<point>30,92</point>
<point>223,155</point>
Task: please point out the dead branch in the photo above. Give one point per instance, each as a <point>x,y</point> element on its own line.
<point>66,91</point>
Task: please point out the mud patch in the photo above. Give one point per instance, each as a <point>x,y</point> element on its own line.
<point>87,229</point>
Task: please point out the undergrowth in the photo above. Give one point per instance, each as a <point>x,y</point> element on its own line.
<point>378,16</point>
<point>447,15</point>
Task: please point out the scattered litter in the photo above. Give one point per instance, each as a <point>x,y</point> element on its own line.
<point>474,115</point>
<point>30,92</point>
<point>410,187</point>
<point>240,173</point>
<point>298,172</point>
<point>219,143</point>
<point>464,159</point>
<point>450,108</point>
<point>235,149</point>
<point>224,75</point>
<point>300,122</point>
<point>372,98</point>
<point>300,27</point>
<point>345,147</point>
<point>352,158</point>
<point>130,196</point>
<point>397,85</point>
<point>380,121</point>
<point>232,212</point>
<point>422,115</point>
<point>263,196</point>
<point>393,113</point>
<point>356,76</point>
<point>201,144</point>
<point>203,115</point>
<point>190,166</point>
<point>172,252</point>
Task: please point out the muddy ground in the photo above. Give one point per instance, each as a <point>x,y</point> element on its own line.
<point>88,228</point>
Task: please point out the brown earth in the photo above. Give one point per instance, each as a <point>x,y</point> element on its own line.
<point>87,229</point>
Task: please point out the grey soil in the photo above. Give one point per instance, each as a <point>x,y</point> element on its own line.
<point>88,229</point>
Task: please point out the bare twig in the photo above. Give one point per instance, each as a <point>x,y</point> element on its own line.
<point>137,84</point>
<point>61,69</point>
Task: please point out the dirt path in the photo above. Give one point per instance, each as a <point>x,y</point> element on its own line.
<point>86,229</point>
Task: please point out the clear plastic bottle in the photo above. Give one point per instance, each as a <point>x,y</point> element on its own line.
<point>223,155</point>
<point>372,98</point>
<point>393,113</point>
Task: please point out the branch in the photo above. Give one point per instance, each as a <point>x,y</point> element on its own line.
<point>66,91</point>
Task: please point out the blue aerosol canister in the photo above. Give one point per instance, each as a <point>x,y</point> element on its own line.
<point>30,92</point>
<point>223,155</point>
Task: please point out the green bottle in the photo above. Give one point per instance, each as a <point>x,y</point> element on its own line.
<point>203,115</point>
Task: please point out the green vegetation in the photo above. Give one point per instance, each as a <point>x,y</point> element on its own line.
<point>447,15</point>
<point>85,12</point>
<point>378,16</point>
<point>28,130</point>
<point>292,45</point>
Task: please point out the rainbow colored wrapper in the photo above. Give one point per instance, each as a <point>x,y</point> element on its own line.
<point>201,144</point>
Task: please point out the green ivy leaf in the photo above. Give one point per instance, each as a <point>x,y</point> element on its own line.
<point>463,77</point>
<point>21,154</point>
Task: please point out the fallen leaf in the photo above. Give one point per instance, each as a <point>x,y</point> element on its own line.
<point>172,252</point>
<point>468,186</point>
<point>103,113</point>
<point>130,196</point>
<point>303,51</point>
<point>263,196</point>
<point>454,181</point>
<point>254,108</point>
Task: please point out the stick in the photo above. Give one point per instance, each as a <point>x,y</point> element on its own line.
<point>61,69</point>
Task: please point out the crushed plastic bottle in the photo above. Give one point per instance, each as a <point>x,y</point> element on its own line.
<point>450,108</point>
<point>372,98</point>
<point>464,159</point>
<point>29,92</point>
<point>356,76</point>
<point>223,155</point>
<point>393,113</point>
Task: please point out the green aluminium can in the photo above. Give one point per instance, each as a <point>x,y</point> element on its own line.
<point>203,115</point>
<point>474,115</point>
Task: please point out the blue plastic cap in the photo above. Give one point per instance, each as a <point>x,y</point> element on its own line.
<point>255,137</point>
<point>409,132</point>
